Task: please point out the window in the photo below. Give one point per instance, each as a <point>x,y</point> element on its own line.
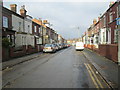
<point>117,12</point>
<point>109,36</point>
<point>37,40</point>
<point>22,40</point>
<point>116,36</point>
<point>104,21</point>
<point>40,30</point>
<point>110,17</point>
<point>35,29</point>
<point>19,26</point>
<point>5,22</point>
<point>28,28</point>
<point>103,36</point>
<point>13,41</point>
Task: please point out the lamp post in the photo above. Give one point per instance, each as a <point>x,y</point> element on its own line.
<point>78,33</point>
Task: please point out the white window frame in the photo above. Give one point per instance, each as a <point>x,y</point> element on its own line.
<point>28,28</point>
<point>116,36</point>
<point>19,26</point>
<point>117,12</point>
<point>110,17</point>
<point>5,21</point>
<point>35,28</point>
<point>104,21</point>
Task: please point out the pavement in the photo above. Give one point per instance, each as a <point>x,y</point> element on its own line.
<point>107,68</point>
<point>19,60</point>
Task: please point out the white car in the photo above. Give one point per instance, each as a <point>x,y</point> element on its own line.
<point>49,48</point>
<point>79,46</point>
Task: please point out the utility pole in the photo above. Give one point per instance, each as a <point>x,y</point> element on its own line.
<point>78,33</point>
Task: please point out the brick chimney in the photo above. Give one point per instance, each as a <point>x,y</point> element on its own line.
<point>23,11</point>
<point>94,21</point>
<point>13,7</point>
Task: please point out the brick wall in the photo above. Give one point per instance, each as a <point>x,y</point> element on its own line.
<point>13,52</point>
<point>110,51</point>
<point>17,53</point>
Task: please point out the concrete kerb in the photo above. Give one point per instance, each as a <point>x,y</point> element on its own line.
<point>14,62</point>
<point>100,71</point>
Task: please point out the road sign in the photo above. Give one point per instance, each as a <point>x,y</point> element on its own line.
<point>118,21</point>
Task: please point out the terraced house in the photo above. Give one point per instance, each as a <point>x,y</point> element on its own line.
<point>22,35</point>
<point>102,35</point>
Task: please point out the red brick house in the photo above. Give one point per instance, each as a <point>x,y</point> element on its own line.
<point>37,32</point>
<point>7,32</point>
<point>111,15</point>
<point>7,25</point>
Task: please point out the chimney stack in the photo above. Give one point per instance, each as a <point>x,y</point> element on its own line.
<point>98,18</point>
<point>13,7</point>
<point>111,3</point>
<point>23,11</point>
<point>45,21</point>
<point>94,21</point>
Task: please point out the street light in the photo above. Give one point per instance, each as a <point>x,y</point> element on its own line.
<point>78,32</point>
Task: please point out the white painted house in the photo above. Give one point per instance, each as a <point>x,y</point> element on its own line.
<point>28,30</point>
<point>18,26</point>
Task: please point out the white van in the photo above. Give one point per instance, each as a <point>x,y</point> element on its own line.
<point>79,46</point>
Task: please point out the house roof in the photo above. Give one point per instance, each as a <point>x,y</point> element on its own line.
<point>4,8</point>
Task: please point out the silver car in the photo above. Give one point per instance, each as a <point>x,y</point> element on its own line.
<point>49,48</point>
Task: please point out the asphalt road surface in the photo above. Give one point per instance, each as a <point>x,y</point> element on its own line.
<point>66,68</point>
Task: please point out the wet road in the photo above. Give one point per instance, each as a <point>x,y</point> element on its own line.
<point>64,69</point>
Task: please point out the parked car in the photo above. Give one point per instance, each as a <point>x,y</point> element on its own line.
<point>63,45</point>
<point>56,46</point>
<point>68,45</point>
<point>49,48</point>
<point>79,46</point>
<point>60,45</point>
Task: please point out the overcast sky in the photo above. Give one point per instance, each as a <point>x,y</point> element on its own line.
<point>67,16</point>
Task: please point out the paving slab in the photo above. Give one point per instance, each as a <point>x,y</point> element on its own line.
<point>19,60</point>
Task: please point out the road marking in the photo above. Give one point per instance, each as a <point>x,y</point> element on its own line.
<point>91,76</point>
<point>95,76</point>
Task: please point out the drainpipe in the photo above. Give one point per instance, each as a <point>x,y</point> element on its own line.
<point>119,45</point>
<point>119,36</point>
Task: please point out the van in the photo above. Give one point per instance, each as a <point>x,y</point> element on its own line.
<point>79,46</point>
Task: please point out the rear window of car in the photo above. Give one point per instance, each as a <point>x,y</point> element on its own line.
<point>48,45</point>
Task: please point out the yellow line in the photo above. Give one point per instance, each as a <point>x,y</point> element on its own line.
<point>95,76</point>
<point>91,77</point>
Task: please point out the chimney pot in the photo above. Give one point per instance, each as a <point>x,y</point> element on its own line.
<point>94,21</point>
